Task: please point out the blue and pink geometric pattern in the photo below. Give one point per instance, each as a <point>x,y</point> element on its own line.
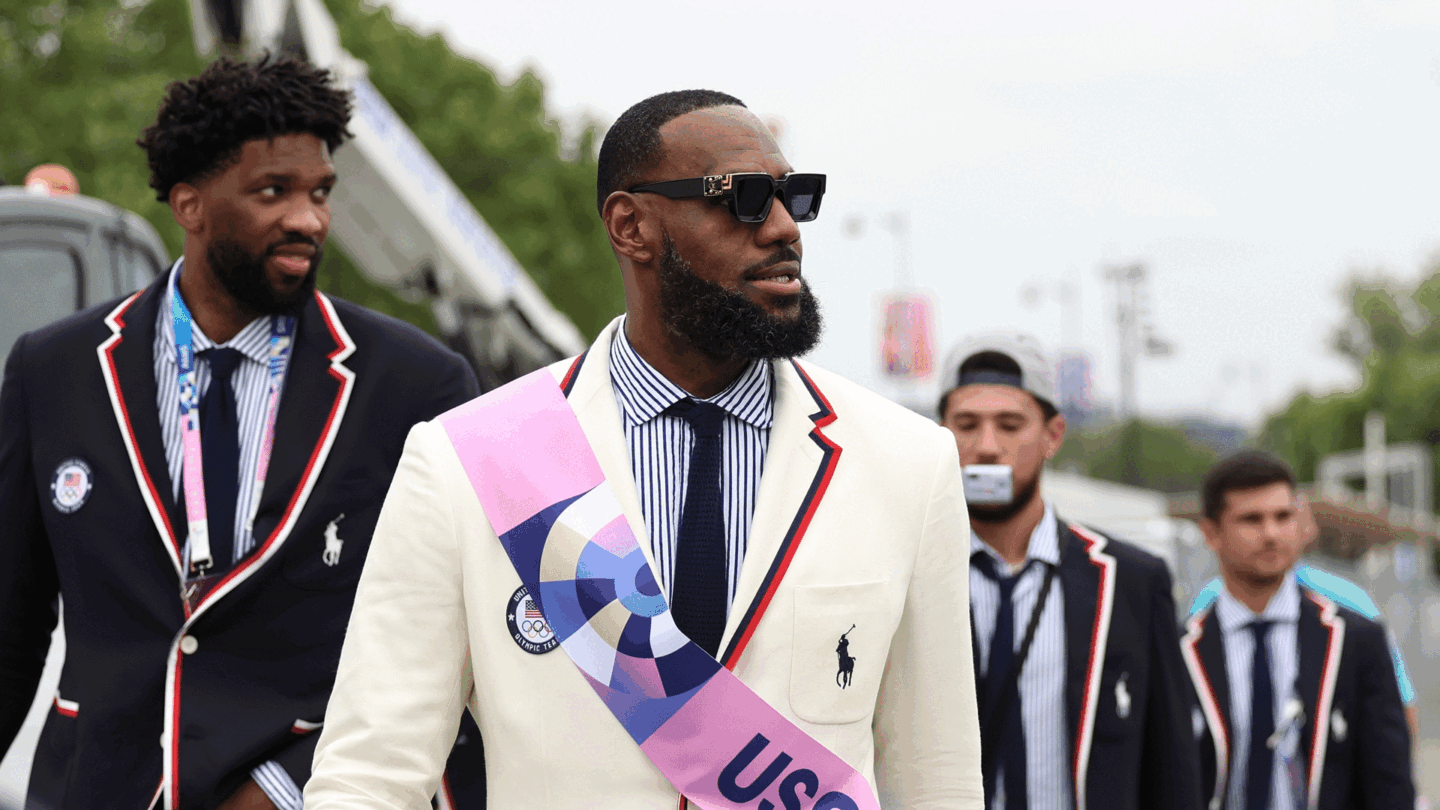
<point>581,562</point>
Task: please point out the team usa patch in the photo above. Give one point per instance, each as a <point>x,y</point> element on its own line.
<point>70,485</point>
<point>527,626</point>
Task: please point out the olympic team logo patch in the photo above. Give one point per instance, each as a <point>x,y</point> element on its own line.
<point>527,626</point>
<point>70,485</point>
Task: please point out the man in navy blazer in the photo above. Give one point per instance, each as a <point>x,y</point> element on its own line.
<point>1298,700</point>
<point>1082,693</point>
<point>187,685</point>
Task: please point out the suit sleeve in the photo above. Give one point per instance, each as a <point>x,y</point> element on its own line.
<point>455,386</point>
<point>403,675</point>
<point>28,579</point>
<point>1170,759</point>
<point>1383,777</point>
<point>927,733</point>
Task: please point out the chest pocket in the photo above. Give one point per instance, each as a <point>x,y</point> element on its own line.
<point>841,640</point>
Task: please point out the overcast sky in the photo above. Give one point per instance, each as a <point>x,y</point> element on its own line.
<point>1251,154</point>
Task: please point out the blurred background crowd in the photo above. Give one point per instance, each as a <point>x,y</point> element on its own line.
<point>1223,220</point>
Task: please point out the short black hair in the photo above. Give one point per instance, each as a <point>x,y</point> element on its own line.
<point>995,362</point>
<point>1246,469</point>
<point>633,143</point>
<point>203,122</point>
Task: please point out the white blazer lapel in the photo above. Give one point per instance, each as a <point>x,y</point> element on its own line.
<point>798,466</point>
<point>593,399</point>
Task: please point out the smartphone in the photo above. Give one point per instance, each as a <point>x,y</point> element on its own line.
<point>988,484</point>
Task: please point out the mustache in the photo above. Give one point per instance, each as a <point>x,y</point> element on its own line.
<point>784,254</point>
<point>293,238</point>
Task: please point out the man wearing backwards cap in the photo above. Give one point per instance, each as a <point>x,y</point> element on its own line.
<point>1098,715</point>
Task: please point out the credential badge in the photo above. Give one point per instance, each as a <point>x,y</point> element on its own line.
<point>527,626</point>
<point>70,486</point>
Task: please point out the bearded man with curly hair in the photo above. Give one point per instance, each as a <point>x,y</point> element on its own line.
<point>194,471</point>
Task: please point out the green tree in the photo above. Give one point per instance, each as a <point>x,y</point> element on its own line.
<point>79,80</point>
<point>505,153</point>
<point>1392,338</point>
<point>1139,453</point>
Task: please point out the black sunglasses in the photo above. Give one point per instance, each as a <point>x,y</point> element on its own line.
<point>749,194</point>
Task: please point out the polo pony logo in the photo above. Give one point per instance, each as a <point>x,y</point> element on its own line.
<point>847,664</point>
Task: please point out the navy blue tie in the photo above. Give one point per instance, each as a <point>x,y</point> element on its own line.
<point>1011,728</point>
<point>1260,770</point>
<point>220,444</point>
<point>699,594</point>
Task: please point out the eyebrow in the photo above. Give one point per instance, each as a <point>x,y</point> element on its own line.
<point>286,178</point>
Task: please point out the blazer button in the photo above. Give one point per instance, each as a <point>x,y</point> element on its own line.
<point>189,645</point>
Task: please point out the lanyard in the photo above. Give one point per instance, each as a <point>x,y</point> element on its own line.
<point>282,332</point>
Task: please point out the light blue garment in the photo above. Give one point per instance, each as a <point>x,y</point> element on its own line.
<point>1337,589</point>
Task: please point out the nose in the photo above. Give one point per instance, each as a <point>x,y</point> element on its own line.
<point>779,227</point>
<point>309,218</point>
<point>987,445</point>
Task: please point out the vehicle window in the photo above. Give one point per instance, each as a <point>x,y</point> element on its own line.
<point>41,284</point>
<point>137,266</point>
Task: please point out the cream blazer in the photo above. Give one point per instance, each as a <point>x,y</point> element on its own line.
<point>862,497</point>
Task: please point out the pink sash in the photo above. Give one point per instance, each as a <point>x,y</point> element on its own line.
<point>717,742</point>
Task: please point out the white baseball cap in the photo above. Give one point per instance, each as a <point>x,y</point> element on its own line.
<point>1037,372</point>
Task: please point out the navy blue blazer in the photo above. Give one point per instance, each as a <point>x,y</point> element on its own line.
<point>1126,697</point>
<point>1357,757</point>
<point>156,698</point>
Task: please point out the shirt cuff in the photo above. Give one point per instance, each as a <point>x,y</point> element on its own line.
<point>278,785</point>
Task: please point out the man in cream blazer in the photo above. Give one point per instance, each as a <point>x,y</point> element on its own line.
<point>849,613</point>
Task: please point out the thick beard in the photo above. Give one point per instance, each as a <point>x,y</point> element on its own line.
<point>725,325</point>
<point>243,276</point>
<point>999,513</point>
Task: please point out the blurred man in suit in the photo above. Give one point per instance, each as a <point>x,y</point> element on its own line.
<point>1083,700</point>
<point>1298,702</point>
<point>197,469</point>
<point>770,558</point>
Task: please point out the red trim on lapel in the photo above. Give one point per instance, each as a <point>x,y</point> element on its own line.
<point>69,708</point>
<point>172,732</point>
<point>445,797</point>
<point>569,381</point>
<point>1320,735</point>
<point>106,351</point>
<point>791,543</point>
<point>1209,703</point>
<point>1099,642</point>
<point>344,347</point>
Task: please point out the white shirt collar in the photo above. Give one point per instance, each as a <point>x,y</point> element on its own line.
<point>1284,606</point>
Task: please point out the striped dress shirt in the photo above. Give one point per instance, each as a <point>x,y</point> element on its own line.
<point>1042,681</point>
<point>1283,643</point>
<point>251,383</point>
<point>660,445</point>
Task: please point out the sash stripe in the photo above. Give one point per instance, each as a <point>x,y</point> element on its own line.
<point>831,457</point>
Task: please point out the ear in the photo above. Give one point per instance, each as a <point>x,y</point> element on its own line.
<point>1054,435</point>
<point>628,226</point>
<point>188,208</point>
<point>1211,530</point>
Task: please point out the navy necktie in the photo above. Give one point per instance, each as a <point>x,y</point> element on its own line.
<point>699,594</point>
<point>220,444</point>
<point>1011,728</point>
<point>1260,770</point>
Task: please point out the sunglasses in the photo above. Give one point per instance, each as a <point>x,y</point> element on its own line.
<point>749,194</point>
